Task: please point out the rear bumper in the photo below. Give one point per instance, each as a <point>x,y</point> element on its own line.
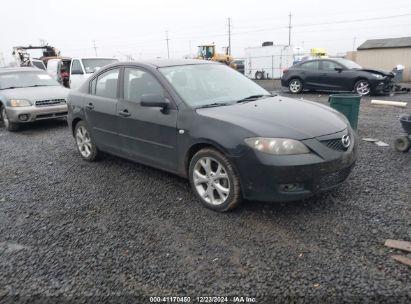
<point>294,177</point>
<point>33,113</point>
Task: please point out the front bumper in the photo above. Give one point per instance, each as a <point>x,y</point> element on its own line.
<point>382,86</point>
<point>34,113</point>
<point>293,177</point>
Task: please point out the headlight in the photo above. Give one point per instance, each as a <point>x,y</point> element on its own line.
<point>277,146</point>
<point>379,76</point>
<point>20,103</point>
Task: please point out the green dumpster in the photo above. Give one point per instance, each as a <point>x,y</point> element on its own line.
<point>348,104</point>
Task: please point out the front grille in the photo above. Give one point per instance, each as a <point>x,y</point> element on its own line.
<point>332,179</point>
<point>49,102</point>
<point>334,144</point>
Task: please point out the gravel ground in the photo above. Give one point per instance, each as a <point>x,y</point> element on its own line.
<point>116,231</point>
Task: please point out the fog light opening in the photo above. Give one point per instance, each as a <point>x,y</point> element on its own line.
<point>23,117</point>
<point>294,187</point>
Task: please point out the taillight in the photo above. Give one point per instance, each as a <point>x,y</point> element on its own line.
<point>285,71</point>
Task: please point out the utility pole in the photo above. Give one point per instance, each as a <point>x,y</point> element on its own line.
<point>95,47</point>
<point>168,47</point>
<point>353,44</point>
<point>289,29</point>
<point>229,36</point>
<point>189,43</point>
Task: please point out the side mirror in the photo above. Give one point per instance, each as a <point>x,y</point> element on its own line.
<point>338,69</point>
<point>77,72</point>
<point>154,101</point>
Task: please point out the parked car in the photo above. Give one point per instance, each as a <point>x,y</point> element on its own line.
<point>29,94</point>
<point>204,121</point>
<point>238,64</point>
<point>77,70</point>
<point>336,75</point>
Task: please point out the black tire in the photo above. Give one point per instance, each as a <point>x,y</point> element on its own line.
<point>9,126</point>
<point>362,87</point>
<point>94,154</point>
<point>402,144</point>
<point>295,86</point>
<point>230,180</point>
<point>259,75</point>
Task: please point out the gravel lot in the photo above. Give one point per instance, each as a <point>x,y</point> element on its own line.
<point>115,231</point>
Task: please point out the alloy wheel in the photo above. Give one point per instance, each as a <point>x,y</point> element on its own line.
<point>363,88</point>
<point>295,86</point>
<point>211,181</point>
<point>83,141</point>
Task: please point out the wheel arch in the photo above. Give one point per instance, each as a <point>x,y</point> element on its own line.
<point>195,147</point>
<point>358,78</point>
<point>74,123</point>
<point>295,77</point>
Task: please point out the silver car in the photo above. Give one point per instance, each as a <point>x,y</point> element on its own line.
<point>29,94</point>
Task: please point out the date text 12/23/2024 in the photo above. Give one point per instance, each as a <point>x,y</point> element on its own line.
<point>205,299</point>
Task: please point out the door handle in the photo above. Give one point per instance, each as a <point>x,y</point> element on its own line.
<point>90,106</point>
<point>124,113</point>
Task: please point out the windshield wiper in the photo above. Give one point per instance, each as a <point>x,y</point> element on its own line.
<point>37,85</point>
<point>215,104</point>
<point>253,97</point>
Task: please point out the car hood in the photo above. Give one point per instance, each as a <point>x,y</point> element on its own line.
<point>280,117</point>
<point>36,93</point>
<point>381,72</point>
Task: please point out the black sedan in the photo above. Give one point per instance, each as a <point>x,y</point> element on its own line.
<point>208,123</point>
<point>336,75</point>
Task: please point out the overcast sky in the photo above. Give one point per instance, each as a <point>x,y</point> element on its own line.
<point>137,28</point>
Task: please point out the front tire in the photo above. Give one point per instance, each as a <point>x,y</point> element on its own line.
<point>214,180</point>
<point>8,125</point>
<point>295,86</point>
<point>402,144</point>
<point>362,87</point>
<point>85,143</point>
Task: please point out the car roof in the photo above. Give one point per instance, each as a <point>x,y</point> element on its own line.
<point>160,63</point>
<point>19,69</point>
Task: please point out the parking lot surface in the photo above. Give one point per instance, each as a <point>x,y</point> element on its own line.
<point>114,230</point>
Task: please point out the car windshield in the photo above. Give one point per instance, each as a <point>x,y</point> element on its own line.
<point>26,79</point>
<point>348,63</point>
<point>211,84</point>
<point>94,64</point>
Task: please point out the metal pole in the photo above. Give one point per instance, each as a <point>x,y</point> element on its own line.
<point>289,29</point>
<point>95,47</point>
<point>353,45</point>
<point>229,36</point>
<point>168,48</point>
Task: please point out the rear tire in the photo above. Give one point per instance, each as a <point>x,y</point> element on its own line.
<point>362,87</point>
<point>295,86</point>
<point>214,180</point>
<point>402,144</point>
<point>85,142</point>
<point>9,126</point>
<point>259,75</point>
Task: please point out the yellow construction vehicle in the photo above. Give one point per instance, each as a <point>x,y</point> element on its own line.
<point>208,52</point>
<point>318,53</point>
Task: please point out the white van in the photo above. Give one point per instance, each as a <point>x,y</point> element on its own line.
<point>72,72</point>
